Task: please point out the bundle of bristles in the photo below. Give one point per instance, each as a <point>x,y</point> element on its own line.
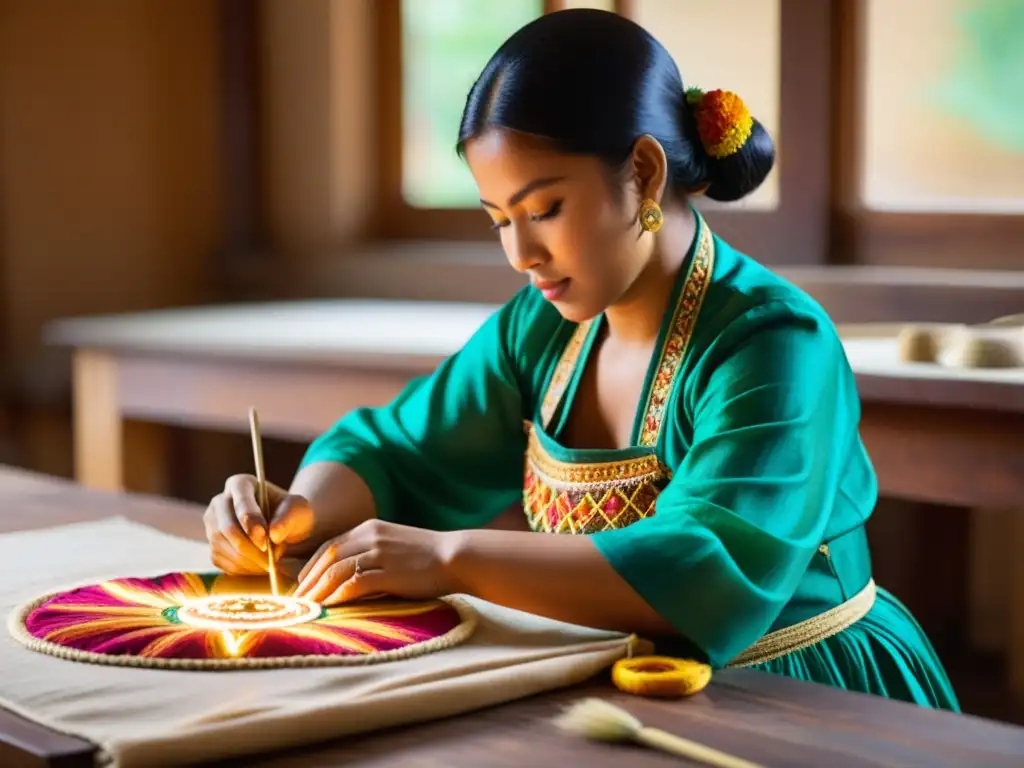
<point>599,720</point>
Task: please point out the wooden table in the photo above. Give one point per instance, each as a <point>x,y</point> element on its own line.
<point>771,719</point>
<point>302,364</point>
<point>934,436</point>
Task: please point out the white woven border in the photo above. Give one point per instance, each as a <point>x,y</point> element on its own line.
<point>455,636</point>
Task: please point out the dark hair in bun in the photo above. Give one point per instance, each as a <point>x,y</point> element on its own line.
<point>593,82</point>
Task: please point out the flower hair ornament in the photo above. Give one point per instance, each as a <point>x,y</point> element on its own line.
<point>724,123</point>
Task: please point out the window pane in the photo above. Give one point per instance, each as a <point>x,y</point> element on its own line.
<point>732,45</point>
<point>445,44</point>
<point>944,107</point>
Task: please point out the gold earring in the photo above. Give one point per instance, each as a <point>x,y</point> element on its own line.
<point>650,216</point>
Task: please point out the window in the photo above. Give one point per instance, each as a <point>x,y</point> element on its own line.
<point>430,51</point>
<point>931,137</point>
<point>445,44</point>
<point>943,117</point>
<point>894,148</point>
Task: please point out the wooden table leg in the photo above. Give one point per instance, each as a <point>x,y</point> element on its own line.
<point>1015,576</point>
<point>990,579</point>
<point>99,432</point>
<point>112,454</point>
<point>146,459</point>
<point>997,588</point>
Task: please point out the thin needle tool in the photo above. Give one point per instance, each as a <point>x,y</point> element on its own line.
<point>261,493</point>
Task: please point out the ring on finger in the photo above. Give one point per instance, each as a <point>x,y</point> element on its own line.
<point>359,566</point>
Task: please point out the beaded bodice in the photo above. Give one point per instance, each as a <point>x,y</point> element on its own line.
<point>565,496</point>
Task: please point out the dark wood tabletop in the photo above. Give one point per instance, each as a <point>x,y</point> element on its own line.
<point>773,720</point>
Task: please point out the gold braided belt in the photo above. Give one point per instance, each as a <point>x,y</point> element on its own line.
<point>809,631</point>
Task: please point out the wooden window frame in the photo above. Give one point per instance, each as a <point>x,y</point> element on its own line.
<point>819,223</point>
<point>794,232</point>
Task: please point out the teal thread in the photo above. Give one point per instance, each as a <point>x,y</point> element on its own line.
<point>208,580</point>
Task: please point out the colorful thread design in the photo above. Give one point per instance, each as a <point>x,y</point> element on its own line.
<point>587,498</point>
<point>162,622</point>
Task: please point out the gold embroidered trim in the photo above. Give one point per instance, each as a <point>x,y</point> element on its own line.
<point>591,474</point>
<point>810,631</point>
<point>569,498</point>
<point>687,309</point>
<point>596,485</point>
<point>563,372</point>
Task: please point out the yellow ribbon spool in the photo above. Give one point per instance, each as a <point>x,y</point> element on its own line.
<point>660,676</point>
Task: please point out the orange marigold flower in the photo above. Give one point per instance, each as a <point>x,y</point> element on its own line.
<point>723,121</point>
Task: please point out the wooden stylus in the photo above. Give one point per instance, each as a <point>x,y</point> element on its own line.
<point>261,493</point>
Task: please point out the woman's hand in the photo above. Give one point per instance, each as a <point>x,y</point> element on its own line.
<point>237,531</point>
<point>377,558</point>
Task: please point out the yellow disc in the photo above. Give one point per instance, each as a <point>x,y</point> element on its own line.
<point>660,676</point>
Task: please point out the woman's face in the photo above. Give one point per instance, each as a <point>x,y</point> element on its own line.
<point>559,221</point>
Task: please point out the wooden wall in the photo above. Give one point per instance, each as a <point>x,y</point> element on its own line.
<point>169,153</point>
<point>109,177</point>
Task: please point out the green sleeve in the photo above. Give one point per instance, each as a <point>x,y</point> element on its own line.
<point>773,410</point>
<point>447,453</point>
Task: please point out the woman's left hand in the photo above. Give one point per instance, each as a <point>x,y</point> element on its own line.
<point>377,558</point>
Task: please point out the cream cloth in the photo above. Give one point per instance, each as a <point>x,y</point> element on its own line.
<point>165,717</point>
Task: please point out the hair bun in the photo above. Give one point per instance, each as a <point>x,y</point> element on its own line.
<point>740,152</point>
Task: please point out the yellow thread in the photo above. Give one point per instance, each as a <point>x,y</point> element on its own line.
<point>660,676</point>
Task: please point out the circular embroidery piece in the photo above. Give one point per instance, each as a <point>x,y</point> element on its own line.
<point>214,621</point>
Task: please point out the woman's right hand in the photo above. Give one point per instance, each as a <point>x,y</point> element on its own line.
<point>237,531</point>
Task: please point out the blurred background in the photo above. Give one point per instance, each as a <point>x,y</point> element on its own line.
<point>161,154</point>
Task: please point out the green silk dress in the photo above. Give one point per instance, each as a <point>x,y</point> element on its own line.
<point>739,508</point>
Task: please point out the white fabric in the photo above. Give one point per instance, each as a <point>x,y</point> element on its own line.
<point>162,717</point>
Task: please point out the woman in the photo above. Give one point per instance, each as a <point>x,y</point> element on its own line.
<point>688,415</point>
